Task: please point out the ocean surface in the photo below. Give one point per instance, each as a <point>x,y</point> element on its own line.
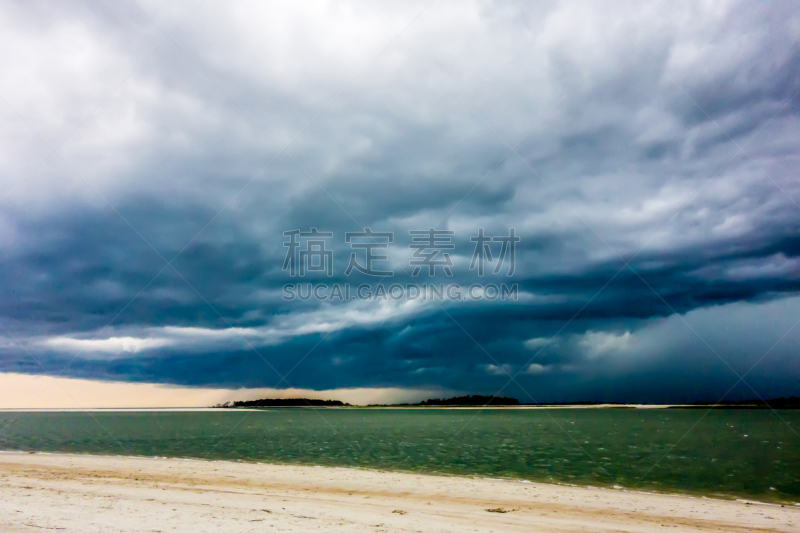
<point>753,454</point>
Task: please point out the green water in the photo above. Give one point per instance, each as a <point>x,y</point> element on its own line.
<point>627,447</point>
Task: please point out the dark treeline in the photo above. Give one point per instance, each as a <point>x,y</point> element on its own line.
<point>286,402</point>
<point>792,402</point>
<point>475,400</point>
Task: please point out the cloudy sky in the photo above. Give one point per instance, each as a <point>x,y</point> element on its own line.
<point>646,154</point>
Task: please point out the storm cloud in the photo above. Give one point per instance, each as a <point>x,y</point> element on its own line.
<point>646,154</point>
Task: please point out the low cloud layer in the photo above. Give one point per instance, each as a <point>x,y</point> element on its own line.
<point>646,155</point>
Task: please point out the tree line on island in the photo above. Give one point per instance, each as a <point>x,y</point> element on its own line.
<point>476,400</point>
<point>458,401</point>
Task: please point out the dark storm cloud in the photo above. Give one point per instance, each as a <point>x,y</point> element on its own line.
<point>673,149</point>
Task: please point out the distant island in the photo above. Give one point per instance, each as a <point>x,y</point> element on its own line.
<point>458,401</point>
<point>477,400</point>
<point>285,402</point>
<point>464,401</point>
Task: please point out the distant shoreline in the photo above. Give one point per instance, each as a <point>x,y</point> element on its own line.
<point>118,410</point>
<point>345,407</point>
<point>406,407</point>
<point>497,402</point>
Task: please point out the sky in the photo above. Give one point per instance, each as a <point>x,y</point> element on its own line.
<point>152,155</point>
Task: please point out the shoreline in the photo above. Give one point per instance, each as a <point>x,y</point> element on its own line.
<point>371,407</point>
<point>391,407</point>
<point>750,499</point>
<point>45,489</point>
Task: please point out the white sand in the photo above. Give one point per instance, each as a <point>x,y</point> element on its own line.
<point>89,493</point>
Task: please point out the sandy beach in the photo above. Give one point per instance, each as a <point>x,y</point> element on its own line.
<point>101,494</point>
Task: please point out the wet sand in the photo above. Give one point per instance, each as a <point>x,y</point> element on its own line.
<point>102,494</point>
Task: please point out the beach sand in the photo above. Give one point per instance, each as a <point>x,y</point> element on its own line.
<point>99,493</point>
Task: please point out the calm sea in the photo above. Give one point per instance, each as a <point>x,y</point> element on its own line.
<point>750,453</point>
